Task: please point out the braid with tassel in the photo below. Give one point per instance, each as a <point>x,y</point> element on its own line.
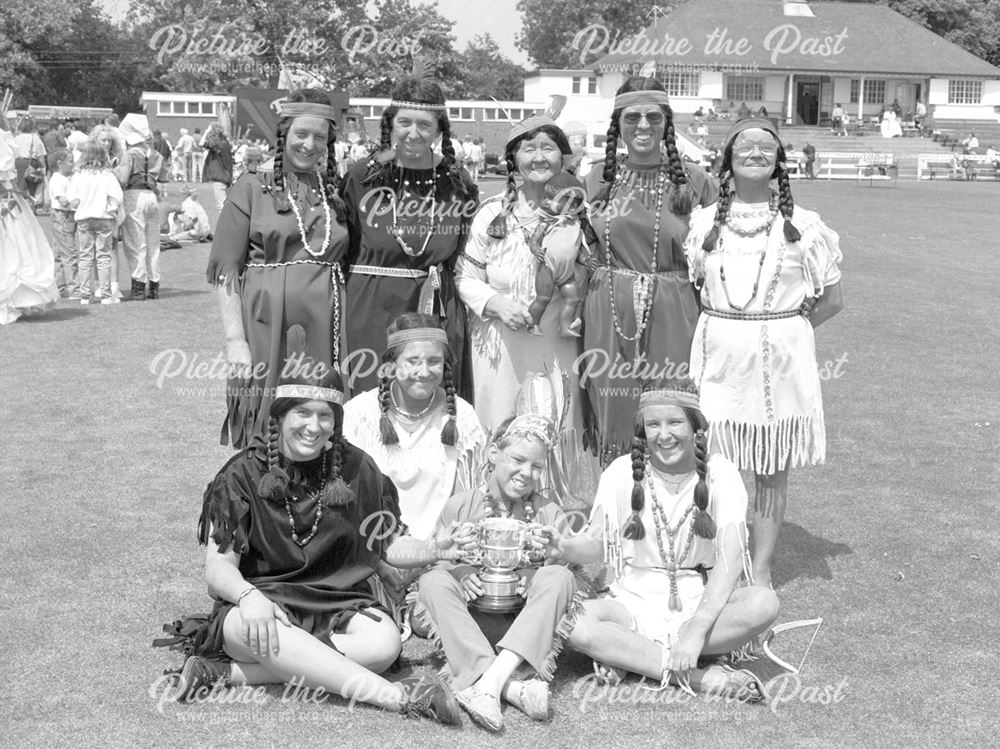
<point>680,197</point>
<point>449,432</point>
<point>721,210</point>
<point>786,203</point>
<point>498,226</point>
<point>336,492</point>
<point>274,483</point>
<point>387,431</point>
<point>331,180</point>
<point>634,529</point>
<point>704,525</point>
<point>282,204</point>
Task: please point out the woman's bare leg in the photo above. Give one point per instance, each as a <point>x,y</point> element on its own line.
<point>768,515</point>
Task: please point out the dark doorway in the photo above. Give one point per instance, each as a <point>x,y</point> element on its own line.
<point>807,103</point>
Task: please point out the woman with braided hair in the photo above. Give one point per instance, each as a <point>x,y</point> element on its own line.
<point>276,260</point>
<point>420,433</point>
<point>669,520</point>
<point>294,526</point>
<point>769,273</point>
<point>496,275</point>
<point>640,311</point>
<point>409,211</point>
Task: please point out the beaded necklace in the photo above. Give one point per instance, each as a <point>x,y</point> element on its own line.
<point>313,496</point>
<point>671,560</point>
<point>766,229</point>
<point>493,509</point>
<point>411,416</point>
<point>642,286</point>
<point>395,229</point>
<point>326,214</point>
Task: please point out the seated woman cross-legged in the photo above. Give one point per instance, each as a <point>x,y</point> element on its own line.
<point>481,676</point>
<point>288,558</point>
<point>670,521</point>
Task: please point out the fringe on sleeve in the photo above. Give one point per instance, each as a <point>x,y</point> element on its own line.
<point>821,255</point>
<point>225,513</point>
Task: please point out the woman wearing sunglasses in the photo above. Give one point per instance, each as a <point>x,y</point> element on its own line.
<point>640,311</point>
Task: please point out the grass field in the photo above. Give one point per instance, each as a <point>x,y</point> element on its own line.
<point>890,542</point>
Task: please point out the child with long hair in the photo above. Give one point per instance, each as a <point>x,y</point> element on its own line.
<point>95,196</point>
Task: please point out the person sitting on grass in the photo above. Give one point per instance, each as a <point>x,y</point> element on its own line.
<point>188,222</point>
<point>481,676</point>
<point>287,523</point>
<point>670,522</point>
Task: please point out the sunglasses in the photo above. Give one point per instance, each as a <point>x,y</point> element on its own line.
<point>653,118</point>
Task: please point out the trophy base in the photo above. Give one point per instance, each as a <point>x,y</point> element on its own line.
<point>498,604</point>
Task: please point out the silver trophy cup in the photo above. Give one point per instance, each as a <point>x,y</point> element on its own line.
<point>501,544</point>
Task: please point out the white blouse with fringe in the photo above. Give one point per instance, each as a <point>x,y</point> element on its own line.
<point>629,562</point>
<point>425,471</point>
<point>759,380</point>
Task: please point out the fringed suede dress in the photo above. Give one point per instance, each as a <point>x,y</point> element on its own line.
<point>628,288</point>
<point>281,283</point>
<point>320,585</point>
<point>759,382</point>
<point>384,280</point>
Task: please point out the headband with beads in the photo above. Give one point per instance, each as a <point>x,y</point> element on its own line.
<point>435,335</point>
<point>399,104</point>
<point>527,125</point>
<point>665,397</point>
<point>751,123</point>
<point>311,392</point>
<point>532,425</point>
<point>631,98</point>
<point>306,109</point>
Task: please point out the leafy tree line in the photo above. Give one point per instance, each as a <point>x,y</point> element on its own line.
<point>68,52</point>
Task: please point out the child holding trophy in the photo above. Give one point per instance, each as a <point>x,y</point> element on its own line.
<point>507,515</point>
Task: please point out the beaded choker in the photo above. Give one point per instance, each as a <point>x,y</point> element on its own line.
<point>411,416</point>
<point>493,509</point>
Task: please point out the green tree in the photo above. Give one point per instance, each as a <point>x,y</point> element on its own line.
<point>25,28</point>
<point>487,72</point>
<point>550,29</point>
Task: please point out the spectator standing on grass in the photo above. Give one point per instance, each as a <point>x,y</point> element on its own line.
<point>920,115</point>
<point>114,143</point>
<point>218,168</point>
<point>30,164</point>
<point>141,229</point>
<point>63,224</point>
<point>838,120</point>
<point>185,156</point>
<point>971,144</point>
<point>162,147</point>
<point>53,139</point>
<point>96,196</point>
<point>809,151</point>
<point>769,273</point>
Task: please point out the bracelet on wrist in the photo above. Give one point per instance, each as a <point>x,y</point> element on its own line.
<point>245,593</point>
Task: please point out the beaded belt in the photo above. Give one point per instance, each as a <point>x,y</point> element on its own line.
<point>375,270</point>
<point>304,261</point>
<point>754,316</point>
<point>428,290</point>
<point>662,273</point>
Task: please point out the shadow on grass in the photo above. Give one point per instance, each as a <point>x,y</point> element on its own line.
<point>55,315</point>
<point>802,554</point>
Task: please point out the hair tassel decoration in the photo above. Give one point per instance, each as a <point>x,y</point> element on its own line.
<point>634,529</point>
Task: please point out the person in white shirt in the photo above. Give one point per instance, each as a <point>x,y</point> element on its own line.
<point>63,224</point>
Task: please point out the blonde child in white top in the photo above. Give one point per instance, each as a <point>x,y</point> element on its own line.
<point>63,224</point>
<point>95,195</point>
